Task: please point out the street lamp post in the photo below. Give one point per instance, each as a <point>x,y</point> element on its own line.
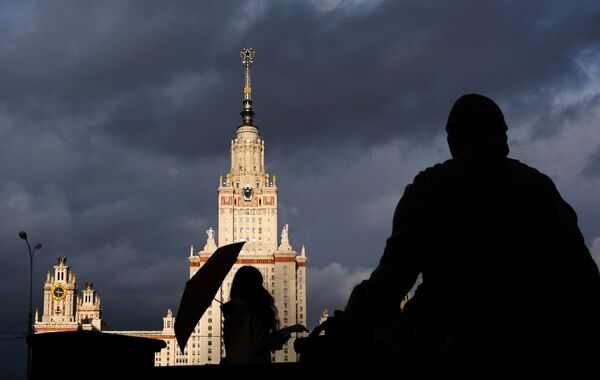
<point>23,235</point>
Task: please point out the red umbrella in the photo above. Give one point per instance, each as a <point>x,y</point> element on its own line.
<point>200,290</point>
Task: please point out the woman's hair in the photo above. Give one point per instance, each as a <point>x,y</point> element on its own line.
<point>247,286</point>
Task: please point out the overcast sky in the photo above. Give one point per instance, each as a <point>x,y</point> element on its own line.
<point>116,119</point>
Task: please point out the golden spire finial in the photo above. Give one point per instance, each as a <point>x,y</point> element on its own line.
<point>247,55</point>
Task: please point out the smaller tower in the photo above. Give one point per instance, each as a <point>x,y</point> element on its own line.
<point>169,322</point>
<point>89,309</point>
<point>59,300</point>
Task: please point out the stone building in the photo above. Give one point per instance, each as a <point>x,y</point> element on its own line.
<point>65,309</point>
<point>247,211</point>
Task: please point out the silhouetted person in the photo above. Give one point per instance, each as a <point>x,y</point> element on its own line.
<point>251,326</point>
<point>509,286</point>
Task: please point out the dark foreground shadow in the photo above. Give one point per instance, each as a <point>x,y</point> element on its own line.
<point>509,288</point>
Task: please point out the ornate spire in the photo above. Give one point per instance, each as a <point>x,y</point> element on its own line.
<point>247,55</point>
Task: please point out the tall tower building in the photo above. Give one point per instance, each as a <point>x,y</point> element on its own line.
<point>248,211</point>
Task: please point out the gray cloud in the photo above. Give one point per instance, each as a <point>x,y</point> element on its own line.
<point>592,167</point>
<point>116,117</point>
<point>330,286</point>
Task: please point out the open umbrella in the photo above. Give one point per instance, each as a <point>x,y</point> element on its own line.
<point>201,289</point>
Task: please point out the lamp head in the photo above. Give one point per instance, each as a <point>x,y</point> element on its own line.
<point>38,246</point>
<point>23,235</point>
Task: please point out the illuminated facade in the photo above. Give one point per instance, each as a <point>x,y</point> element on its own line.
<point>247,211</point>
<point>65,309</point>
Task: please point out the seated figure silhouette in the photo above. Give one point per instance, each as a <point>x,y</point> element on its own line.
<point>251,326</point>
<point>508,284</point>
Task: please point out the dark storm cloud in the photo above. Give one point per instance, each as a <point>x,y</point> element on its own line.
<point>380,71</point>
<point>376,68</point>
<point>592,167</point>
<point>113,62</point>
<point>116,120</point>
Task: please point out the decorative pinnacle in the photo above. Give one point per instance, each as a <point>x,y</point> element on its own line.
<point>247,55</point>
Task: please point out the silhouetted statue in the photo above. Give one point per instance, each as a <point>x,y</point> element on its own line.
<point>509,287</point>
<point>251,326</point>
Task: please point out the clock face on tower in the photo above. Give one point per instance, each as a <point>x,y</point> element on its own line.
<point>59,292</point>
<point>247,193</point>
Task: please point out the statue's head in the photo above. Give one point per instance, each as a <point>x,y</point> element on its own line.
<point>476,125</point>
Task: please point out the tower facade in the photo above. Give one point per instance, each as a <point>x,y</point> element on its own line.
<point>59,299</point>
<point>64,309</point>
<point>248,211</point>
<point>89,309</point>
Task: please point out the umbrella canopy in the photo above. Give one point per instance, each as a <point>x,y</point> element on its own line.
<point>200,290</point>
